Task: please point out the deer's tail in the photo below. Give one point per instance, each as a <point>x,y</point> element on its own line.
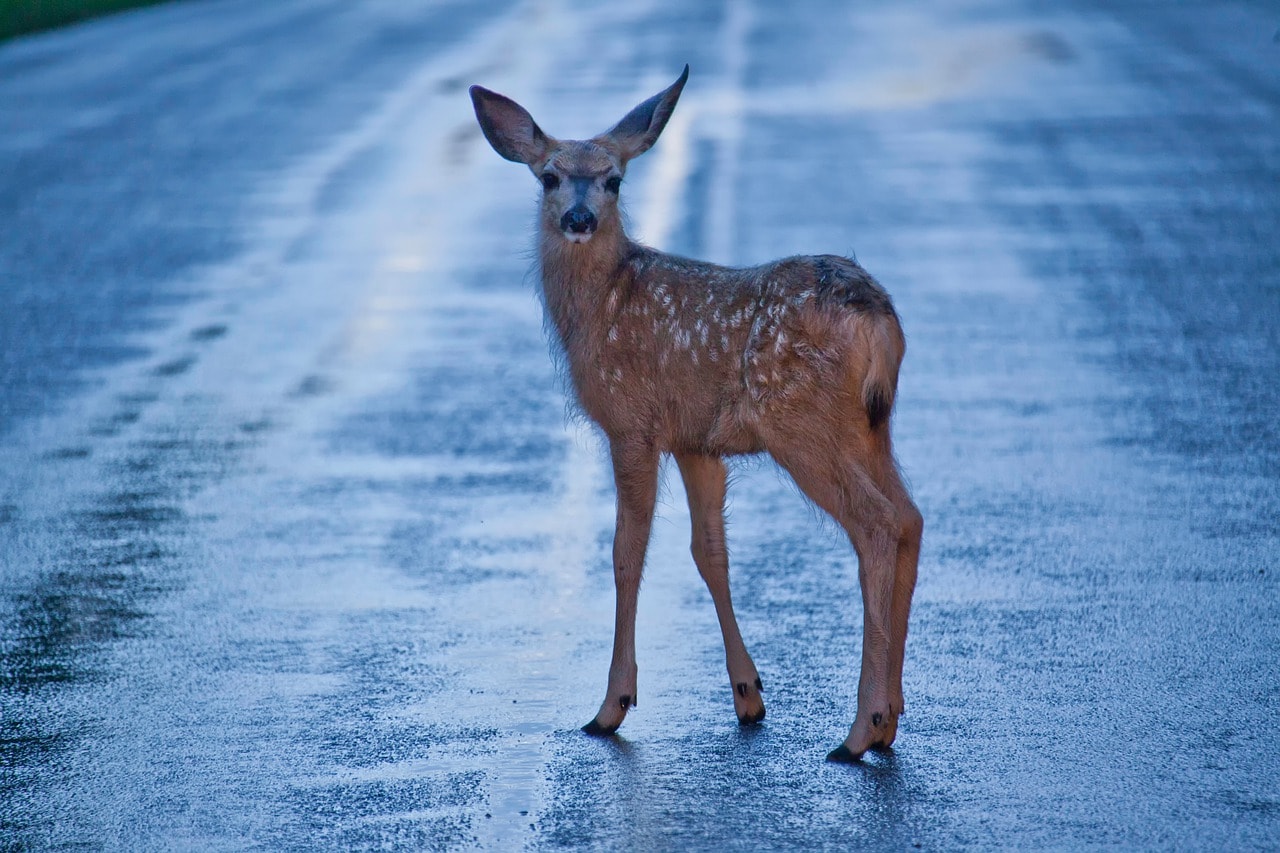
<point>885,347</point>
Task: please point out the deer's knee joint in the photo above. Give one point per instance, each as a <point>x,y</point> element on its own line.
<point>879,529</point>
<point>699,551</point>
<point>911,522</point>
<point>708,554</point>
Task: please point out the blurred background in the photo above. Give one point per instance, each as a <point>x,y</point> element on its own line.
<point>299,547</point>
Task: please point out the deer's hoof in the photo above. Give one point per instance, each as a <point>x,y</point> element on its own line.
<point>842,755</point>
<point>888,734</point>
<point>594,729</point>
<point>748,704</point>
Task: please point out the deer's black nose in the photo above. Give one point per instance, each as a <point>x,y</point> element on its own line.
<point>578,220</point>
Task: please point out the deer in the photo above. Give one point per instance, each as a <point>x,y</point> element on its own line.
<point>668,356</point>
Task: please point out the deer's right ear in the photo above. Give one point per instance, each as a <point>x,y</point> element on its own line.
<point>509,128</point>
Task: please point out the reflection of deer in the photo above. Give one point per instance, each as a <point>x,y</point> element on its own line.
<point>798,357</point>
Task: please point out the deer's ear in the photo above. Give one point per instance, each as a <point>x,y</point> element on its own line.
<point>637,132</point>
<point>509,128</point>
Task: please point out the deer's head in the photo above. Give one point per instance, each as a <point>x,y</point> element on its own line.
<point>580,177</point>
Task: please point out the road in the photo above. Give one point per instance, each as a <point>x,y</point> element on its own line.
<point>301,549</point>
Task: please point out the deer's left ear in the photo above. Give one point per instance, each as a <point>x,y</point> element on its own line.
<point>637,132</point>
<point>509,128</point>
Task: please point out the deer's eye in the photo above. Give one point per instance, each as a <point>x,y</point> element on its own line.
<point>550,181</point>
<point>613,184</point>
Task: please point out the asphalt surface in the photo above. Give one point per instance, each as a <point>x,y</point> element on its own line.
<point>301,549</point>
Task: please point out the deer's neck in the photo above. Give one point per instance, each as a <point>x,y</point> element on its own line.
<point>577,279</point>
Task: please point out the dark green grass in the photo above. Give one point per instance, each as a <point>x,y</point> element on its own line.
<point>18,17</point>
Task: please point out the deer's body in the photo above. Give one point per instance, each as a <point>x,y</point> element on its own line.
<point>798,358</point>
<point>700,358</point>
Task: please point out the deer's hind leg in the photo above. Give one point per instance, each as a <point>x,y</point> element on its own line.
<point>839,481</point>
<point>911,528</point>
<point>704,481</point>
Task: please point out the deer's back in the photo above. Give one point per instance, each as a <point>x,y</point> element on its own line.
<point>699,355</point>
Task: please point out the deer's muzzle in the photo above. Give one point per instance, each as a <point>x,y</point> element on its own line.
<point>578,220</point>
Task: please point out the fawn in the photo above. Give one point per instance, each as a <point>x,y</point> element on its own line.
<point>798,358</point>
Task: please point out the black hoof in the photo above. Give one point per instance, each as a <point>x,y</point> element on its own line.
<point>882,748</point>
<point>751,719</point>
<point>842,755</point>
<point>594,729</point>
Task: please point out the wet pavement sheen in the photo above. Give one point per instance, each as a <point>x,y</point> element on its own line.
<point>301,547</point>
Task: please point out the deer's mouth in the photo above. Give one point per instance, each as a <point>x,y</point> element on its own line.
<point>579,236</point>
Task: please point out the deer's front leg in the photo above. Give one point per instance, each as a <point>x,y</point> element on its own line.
<point>704,481</point>
<point>635,474</point>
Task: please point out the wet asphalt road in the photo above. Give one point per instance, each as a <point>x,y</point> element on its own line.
<point>301,551</point>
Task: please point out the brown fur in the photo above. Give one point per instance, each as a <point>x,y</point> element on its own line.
<point>798,358</point>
